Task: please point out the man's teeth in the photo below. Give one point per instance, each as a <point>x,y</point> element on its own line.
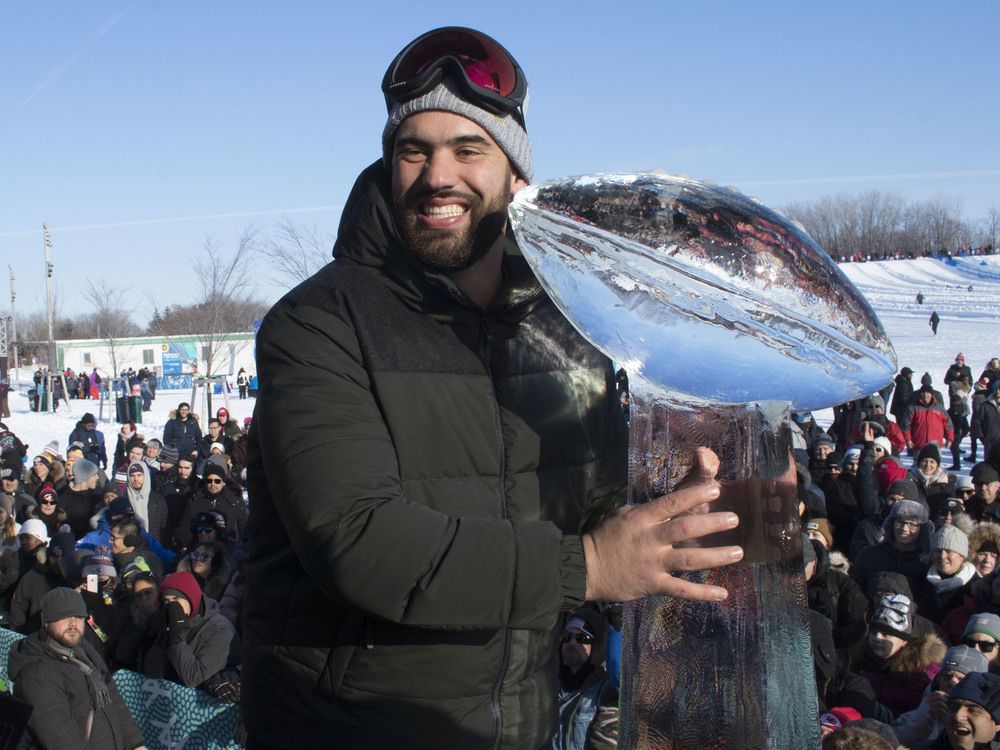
<point>441,211</point>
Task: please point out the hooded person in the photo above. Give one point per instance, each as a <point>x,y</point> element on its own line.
<point>898,663</point>
<point>926,722</point>
<point>905,547</point>
<point>984,547</point>
<point>851,496</point>
<point>150,507</point>
<point>76,703</point>
<point>588,701</point>
<point>950,575</point>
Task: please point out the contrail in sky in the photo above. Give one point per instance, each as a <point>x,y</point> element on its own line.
<point>872,178</point>
<point>174,220</point>
<point>88,45</point>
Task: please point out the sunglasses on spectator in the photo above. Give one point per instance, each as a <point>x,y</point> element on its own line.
<point>214,481</point>
<point>985,646</point>
<point>203,529</point>
<point>201,556</point>
<point>47,502</point>
<point>582,638</point>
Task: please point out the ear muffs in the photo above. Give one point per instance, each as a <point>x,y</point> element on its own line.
<point>130,540</point>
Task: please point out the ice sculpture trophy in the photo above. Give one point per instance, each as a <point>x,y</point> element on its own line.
<point>726,316</point>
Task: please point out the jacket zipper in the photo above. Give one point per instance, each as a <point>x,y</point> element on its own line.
<point>487,352</point>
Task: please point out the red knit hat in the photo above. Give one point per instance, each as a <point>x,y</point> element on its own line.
<point>836,718</point>
<point>186,585</point>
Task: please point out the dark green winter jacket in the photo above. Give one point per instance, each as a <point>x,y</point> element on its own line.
<point>419,473</point>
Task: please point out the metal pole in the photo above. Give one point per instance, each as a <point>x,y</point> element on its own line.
<point>48,294</point>
<point>13,318</point>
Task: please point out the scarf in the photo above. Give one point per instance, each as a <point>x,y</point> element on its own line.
<point>100,696</point>
<point>943,585</point>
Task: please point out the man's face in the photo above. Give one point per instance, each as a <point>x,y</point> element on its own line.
<point>30,543</point>
<point>574,653</point>
<point>907,532</point>
<point>185,604</point>
<point>823,450</point>
<point>884,645</point>
<point>118,541</point>
<point>184,469</point>
<point>9,485</point>
<point>182,412</point>
<point>136,479</point>
<point>948,562</point>
<point>214,484</point>
<point>985,562</point>
<point>984,643</point>
<point>451,184</point>
<point>926,397</point>
<point>214,428</point>
<point>986,491</point>
<point>969,724</point>
<point>851,466</point>
<point>67,631</point>
<point>135,454</point>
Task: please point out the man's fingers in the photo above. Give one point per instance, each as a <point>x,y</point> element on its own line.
<point>678,501</point>
<point>700,592</point>
<point>693,526</point>
<point>693,558</point>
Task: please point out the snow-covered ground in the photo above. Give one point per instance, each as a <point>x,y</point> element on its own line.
<point>970,323</point>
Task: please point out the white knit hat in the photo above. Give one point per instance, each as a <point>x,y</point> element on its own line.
<point>36,528</point>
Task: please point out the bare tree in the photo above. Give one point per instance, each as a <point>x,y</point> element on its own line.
<point>110,318</point>
<point>296,252</point>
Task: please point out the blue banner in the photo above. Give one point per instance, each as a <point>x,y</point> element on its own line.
<point>171,363</point>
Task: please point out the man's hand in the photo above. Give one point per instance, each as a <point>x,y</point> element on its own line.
<point>633,552</point>
<point>937,706</point>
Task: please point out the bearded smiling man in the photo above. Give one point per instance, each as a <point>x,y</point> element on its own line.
<point>437,458</point>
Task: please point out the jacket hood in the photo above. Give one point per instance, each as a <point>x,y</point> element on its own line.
<point>368,236</point>
<point>985,531</point>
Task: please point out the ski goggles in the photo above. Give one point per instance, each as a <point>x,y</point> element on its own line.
<point>485,73</point>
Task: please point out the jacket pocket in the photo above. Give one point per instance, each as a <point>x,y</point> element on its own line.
<point>350,638</point>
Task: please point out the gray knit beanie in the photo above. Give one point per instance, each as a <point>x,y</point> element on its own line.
<point>445,97</point>
<point>951,538</point>
<point>62,602</point>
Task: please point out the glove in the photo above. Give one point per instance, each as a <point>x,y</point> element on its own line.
<point>176,623</point>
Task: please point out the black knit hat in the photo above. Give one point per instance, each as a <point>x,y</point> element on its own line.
<point>981,688</point>
<point>930,450</point>
<point>61,603</point>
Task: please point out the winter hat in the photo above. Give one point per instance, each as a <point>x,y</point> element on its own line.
<point>8,472</point>
<point>981,688</point>
<point>926,380</point>
<point>61,543</point>
<point>509,134</point>
<point>821,526</point>
<point>960,356</point>
<point>593,623</point>
<point>220,446</point>
<point>75,447</point>
<point>35,527</point>
<point>808,551</point>
<point>61,603</point>
<point>984,473</point>
<point>46,492</point>
<point>883,441</point>
<point>964,483</point>
<point>965,659</point>
<point>834,460</point>
<point>209,518</point>
<point>836,718</point>
<point>905,487</point>
<point>88,418</point>
<point>43,459</point>
<point>183,584</point>
<point>876,400</point>
<point>951,538</point>
<point>906,371</point>
<point>909,510</point>
<point>169,455</point>
<point>930,451</point>
<point>894,616</point>
<point>851,454</point>
<point>895,583</point>
<point>823,439</point>
<point>99,564</point>
<point>155,442</point>
<point>84,470</point>
<point>136,468</point>
<point>52,449</point>
<point>120,506</point>
<point>985,623</point>
<point>138,566</point>
<point>214,462</point>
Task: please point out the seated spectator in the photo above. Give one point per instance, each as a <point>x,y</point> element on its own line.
<point>129,546</point>
<point>10,487</point>
<point>926,721</point>
<point>167,464</point>
<point>44,470</point>
<point>104,622</point>
<point>868,532</point>
<point>209,563</point>
<point>983,633</point>
<point>177,489</point>
<point>950,511</point>
<point>932,481</point>
<point>904,548</point>
<point>215,437</point>
<point>149,506</point>
<point>26,603</point>
<point>898,665</point>
<point>984,544</point>
<point>47,510</point>
<point>76,703</point>
<point>154,448</point>
<point>9,528</point>
<point>973,717</point>
<point>216,494</point>
<point>588,702</point>
<point>950,575</point>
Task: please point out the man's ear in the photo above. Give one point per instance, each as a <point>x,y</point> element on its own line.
<point>517,183</point>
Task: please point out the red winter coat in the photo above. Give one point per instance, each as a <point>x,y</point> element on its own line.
<point>928,425</point>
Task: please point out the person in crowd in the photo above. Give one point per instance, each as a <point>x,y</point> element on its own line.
<point>951,574</point>
<point>167,460</point>
<point>980,392</point>
<point>242,381</point>
<point>926,422</point>
<point>128,546</point>
<point>182,431</point>
<point>9,527</point>
<point>852,496</point>
<point>984,544</point>
<point>104,621</point>
<point>898,664</point>
<point>92,440</point>
<point>78,500</point>
<point>983,505</point>
<point>958,413</point>
<point>126,434</point>
<point>821,450</point>
<point>215,436</point>
<point>47,573</point>
<point>926,722</point>
<point>959,372</point>
<point>152,455</point>
<point>991,373</point>
<point>95,385</point>
<point>12,449</point>
<point>135,452</point>
<point>150,506</point>
<point>588,700</point>
<point>982,632</point>
<point>45,470</point>
<point>973,715</point>
<point>901,396</point>
<point>209,563</point>
<point>832,593</point>
<point>950,511</point>
<point>230,427</point>
<point>21,502</point>
<point>76,703</point>
<point>216,494</point>
<point>983,598</point>
<point>818,530</point>
<point>177,489</point>
<point>964,489</point>
<point>904,548</point>
<point>989,420</point>
<point>47,510</point>
<point>933,482</point>
<point>186,640</point>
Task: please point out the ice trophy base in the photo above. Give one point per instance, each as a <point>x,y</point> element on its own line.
<point>737,675</point>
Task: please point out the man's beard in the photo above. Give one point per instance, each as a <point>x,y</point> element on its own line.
<point>449,251</point>
<point>67,640</point>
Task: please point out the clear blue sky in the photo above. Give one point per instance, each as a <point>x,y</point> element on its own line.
<point>136,128</point>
